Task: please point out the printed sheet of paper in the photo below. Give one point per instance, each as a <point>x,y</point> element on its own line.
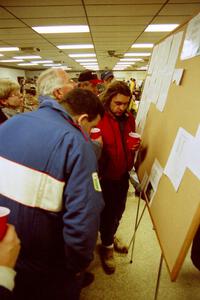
<point>174,51</point>
<point>141,116</point>
<point>168,70</point>
<point>191,46</point>
<point>177,76</point>
<point>194,155</point>
<point>154,57</point>
<point>165,84</point>
<point>178,158</point>
<point>156,173</point>
<point>153,181</point>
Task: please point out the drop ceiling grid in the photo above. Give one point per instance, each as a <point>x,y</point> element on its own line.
<point>114,25</point>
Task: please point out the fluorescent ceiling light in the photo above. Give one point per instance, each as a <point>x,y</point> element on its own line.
<point>78,46</point>
<point>9,49</point>
<point>122,67</point>
<point>52,65</point>
<point>145,45</point>
<point>125,63</point>
<point>27,64</point>
<point>89,63</point>
<point>143,68</point>
<point>137,54</point>
<point>89,67</point>
<point>118,68</point>
<point>42,61</point>
<point>161,27</point>
<point>27,57</point>
<point>82,55</point>
<point>10,60</point>
<point>85,60</point>
<point>65,68</point>
<point>61,29</point>
<point>131,59</point>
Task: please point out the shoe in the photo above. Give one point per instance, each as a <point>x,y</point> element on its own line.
<point>107,259</point>
<point>119,247</point>
<point>88,278</point>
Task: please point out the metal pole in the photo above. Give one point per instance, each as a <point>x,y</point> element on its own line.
<point>137,222</point>
<point>158,277</point>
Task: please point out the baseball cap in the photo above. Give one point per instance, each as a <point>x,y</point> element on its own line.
<point>106,74</point>
<point>89,75</point>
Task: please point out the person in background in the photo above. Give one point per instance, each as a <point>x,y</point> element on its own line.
<point>114,165</point>
<point>107,77</point>
<point>9,251</point>
<point>195,252</point>
<point>132,85</point>
<point>30,99</point>
<point>89,80</point>
<point>11,100</point>
<point>56,202</point>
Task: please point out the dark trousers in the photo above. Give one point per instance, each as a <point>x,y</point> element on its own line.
<point>114,194</point>
<point>31,286</point>
<point>195,253</point>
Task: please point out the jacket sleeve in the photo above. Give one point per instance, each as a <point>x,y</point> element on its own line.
<point>5,294</point>
<point>83,205</point>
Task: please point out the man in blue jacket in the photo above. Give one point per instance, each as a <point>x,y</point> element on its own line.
<point>48,179</point>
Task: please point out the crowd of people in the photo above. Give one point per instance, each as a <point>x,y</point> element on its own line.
<point>61,185</point>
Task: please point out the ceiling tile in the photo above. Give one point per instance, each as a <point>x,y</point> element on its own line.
<point>36,2</point>
<point>104,21</point>
<point>4,14</point>
<point>182,9</point>
<point>46,11</point>
<point>55,21</point>
<point>122,10</point>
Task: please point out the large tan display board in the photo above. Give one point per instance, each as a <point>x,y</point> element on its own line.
<point>175,213</point>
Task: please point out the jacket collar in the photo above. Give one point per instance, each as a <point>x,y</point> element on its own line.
<point>47,101</point>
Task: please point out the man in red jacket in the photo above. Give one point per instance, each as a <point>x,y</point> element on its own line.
<point>116,161</point>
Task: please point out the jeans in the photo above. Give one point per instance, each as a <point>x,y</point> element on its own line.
<point>114,194</point>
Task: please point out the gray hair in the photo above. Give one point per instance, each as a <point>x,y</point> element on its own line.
<point>7,86</point>
<point>48,81</point>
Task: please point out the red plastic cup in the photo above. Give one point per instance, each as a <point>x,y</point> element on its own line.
<point>4,212</point>
<point>133,139</point>
<point>95,133</point>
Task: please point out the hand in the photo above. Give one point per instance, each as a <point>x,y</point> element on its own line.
<point>136,146</point>
<point>9,248</point>
<point>99,140</point>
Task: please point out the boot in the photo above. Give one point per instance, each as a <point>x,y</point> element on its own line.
<point>107,259</point>
<point>119,247</point>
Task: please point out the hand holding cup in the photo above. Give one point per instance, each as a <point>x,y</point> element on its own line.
<point>9,247</point>
<point>133,141</point>
<point>95,133</point>
<point>4,212</point>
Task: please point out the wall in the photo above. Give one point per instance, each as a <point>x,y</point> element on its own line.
<point>121,75</point>
<point>11,73</point>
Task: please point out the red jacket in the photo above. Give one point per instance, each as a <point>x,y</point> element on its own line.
<point>116,159</point>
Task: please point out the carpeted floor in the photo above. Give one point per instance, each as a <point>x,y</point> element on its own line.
<point>137,281</point>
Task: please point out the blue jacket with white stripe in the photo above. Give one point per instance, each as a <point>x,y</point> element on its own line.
<point>48,180</point>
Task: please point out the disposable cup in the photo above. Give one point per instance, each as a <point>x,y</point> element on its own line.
<point>4,212</point>
<point>133,139</point>
<point>95,133</point>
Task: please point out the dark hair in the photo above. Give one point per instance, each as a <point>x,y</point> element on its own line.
<point>116,87</point>
<point>82,101</point>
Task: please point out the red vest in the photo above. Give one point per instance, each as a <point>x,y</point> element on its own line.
<point>116,159</point>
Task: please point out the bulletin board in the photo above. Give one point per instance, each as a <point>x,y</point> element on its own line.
<point>175,214</point>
